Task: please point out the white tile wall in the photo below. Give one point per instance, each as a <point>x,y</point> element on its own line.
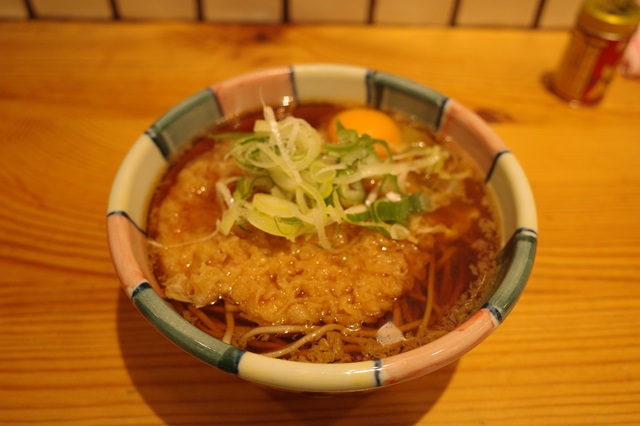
<point>267,11</point>
<point>158,9</point>
<point>13,9</point>
<point>74,9</point>
<point>329,11</point>
<point>488,13</point>
<point>502,13</point>
<point>559,13</point>
<point>413,12</point>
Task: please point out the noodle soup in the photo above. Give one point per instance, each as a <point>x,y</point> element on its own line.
<point>389,260</point>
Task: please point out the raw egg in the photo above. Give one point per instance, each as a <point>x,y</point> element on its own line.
<point>368,121</point>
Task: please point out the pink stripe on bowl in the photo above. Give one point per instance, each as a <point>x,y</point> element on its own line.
<point>439,353</point>
<point>473,134</point>
<point>247,93</point>
<point>127,245</point>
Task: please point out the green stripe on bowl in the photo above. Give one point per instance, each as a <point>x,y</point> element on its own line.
<point>182,123</point>
<point>392,93</point>
<point>188,337</point>
<point>515,265</point>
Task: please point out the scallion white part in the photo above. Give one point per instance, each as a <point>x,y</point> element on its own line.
<point>296,184</point>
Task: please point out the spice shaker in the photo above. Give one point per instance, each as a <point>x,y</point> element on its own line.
<point>597,43</point>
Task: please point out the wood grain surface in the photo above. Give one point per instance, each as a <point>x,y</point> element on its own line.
<point>74,350</point>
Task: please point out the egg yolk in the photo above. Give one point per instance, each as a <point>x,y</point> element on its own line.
<point>368,121</point>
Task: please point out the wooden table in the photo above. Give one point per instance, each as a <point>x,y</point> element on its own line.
<point>73,349</point>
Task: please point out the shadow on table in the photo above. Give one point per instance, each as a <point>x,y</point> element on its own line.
<point>182,390</point>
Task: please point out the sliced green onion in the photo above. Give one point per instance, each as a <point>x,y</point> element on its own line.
<point>399,232</point>
<point>384,210</point>
<point>358,213</point>
<point>391,211</point>
<point>351,193</point>
<point>229,218</point>
<point>321,172</point>
<point>271,225</point>
<point>275,206</point>
<point>296,184</point>
<point>389,183</point>
<point>419,203</point>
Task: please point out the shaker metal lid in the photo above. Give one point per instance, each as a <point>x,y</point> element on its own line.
<point>615,17</point>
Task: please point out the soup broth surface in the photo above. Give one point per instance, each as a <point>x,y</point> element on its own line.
<point>366,297</point>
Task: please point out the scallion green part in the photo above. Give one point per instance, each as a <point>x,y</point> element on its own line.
<point>297,184</point>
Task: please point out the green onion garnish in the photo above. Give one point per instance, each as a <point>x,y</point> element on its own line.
<point>296,184</point>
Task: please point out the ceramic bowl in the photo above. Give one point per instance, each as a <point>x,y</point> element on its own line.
<point>148,160</point>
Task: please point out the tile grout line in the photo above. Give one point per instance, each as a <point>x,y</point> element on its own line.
<point>115,13</point>
<point>538,15</point>
<point>285,11</point>
<point>199,10</point>
<point>29,7</point>
<point>372,7</point>
<point>453,21</point>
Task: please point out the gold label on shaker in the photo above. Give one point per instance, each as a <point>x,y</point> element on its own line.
<point>596,47</point>
<point>587,68</point>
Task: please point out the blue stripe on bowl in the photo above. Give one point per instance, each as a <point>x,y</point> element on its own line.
<point>143,286</point>
<point>377,371</point>
<point>494,163</point>
<point>292,80</point>
<point>514,268</point>
<point>126,216</point>
<point>389,92</point>
<point>495,312</point>
<point>182,123</point>
<point>191,339</point>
